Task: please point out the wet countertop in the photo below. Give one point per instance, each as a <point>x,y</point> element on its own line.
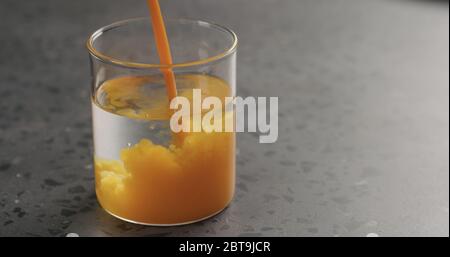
<point>363,139</point>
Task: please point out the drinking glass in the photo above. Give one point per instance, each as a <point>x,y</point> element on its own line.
<point>144,172</point>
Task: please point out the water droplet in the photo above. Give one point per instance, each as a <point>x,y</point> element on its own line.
<point>18,175</point>
<point>72,235</point>
<point>16,201</point>
<point>372,235</point>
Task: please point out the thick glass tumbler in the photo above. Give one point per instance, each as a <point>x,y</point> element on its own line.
<point>144,172</point>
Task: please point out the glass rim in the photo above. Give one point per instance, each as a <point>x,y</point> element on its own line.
<point>130,64</point>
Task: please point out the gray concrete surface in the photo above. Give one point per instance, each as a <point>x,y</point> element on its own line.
<point>364,125</point>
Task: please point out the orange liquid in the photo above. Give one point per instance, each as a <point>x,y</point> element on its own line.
<point>158,184</point>
<point>163,46</point>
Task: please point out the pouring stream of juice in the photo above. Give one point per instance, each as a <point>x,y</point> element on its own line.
<point>163,47</point>
<point>165,56</point>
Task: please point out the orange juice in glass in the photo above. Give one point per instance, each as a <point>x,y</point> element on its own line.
<point>145,173</point>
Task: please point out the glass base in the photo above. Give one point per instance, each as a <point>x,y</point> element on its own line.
<point>166,225</point>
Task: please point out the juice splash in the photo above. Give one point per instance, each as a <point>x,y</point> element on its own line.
<point>141,175</point>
